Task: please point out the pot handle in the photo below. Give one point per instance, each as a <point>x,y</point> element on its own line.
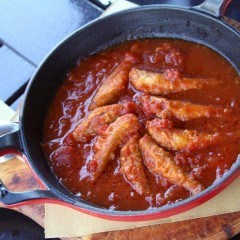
<point>9,137</point>
<point>214,7</point>
<point>14,199</point>
<point>217,8</point>
<point>10,144</point>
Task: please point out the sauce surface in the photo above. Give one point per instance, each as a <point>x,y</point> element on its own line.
<point>68,159</point>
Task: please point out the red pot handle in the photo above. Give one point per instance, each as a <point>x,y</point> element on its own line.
<point>13,199</point>
<point>10,143</point>
<point>217,8</point>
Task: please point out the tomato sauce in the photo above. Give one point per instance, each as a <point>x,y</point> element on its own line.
<point>68,159</point>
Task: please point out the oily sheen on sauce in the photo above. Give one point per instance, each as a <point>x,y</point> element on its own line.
<point>69,158</point>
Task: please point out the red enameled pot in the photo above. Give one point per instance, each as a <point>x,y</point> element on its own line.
<point>201,24</point>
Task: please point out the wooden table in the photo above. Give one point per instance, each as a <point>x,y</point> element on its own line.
<point>28,31</point>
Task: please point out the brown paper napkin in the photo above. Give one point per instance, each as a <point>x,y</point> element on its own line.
<point>61,221</point>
